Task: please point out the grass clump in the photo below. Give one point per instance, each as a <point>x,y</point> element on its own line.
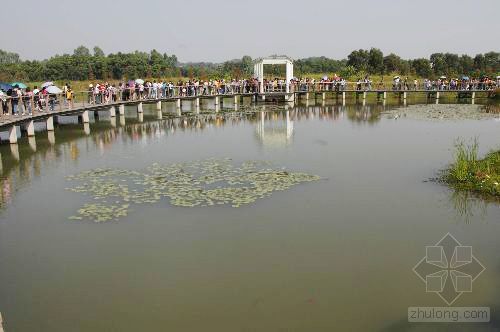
<point>468,172</point>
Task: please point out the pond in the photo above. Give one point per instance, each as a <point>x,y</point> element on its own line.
<point>335,252</point>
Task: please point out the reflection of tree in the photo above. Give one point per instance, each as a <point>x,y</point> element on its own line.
<point>364,114</point>
<point>30,158</point>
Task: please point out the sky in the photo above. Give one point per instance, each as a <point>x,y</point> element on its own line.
<point>219,30</point>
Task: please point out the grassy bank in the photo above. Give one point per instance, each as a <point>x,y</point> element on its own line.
<point>469,173</point>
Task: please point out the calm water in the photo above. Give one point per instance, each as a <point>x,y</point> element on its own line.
<point>335,254</point>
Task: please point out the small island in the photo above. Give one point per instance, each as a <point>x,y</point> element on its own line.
<point>468,172</point>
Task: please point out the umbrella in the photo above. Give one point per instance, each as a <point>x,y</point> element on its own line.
<point>325,78</point>
<point>53,89</point>
<point>131,83</point>
<point>5,86</point>
<point>465,78</point>
<point>46,84</point>
<point>443,77</point>
<point>139,81</point>
<point>19,85</point>
<point>396,77</point>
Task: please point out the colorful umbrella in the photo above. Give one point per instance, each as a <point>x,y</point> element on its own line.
<point>443,77</point>
<point>5,86</point>
<point>465,78</point>
<point>139,81</point>
<point>46,84</point>
<point>53,89</point>
<point>19,85</point>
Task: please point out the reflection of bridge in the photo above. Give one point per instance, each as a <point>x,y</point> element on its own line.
<point>274,133</point>
<point>81,107</point>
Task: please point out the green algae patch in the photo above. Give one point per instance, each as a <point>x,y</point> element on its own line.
<point>211,182</point>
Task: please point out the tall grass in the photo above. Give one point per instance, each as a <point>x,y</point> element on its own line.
<point>465,164</point>
<point>468,172</point>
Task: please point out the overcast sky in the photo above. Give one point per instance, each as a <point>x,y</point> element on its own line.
<point>218,30</point>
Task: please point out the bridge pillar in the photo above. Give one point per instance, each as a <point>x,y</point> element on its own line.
<point>178,103</point>
<point>343,97</point>
<point>139,107</point>
<point>112,111</point>
<point>473,97</point>
<point>50,123</point>
<point>404,95</point>
<point>307,95</point>
<point>437,97</point>
<point>385,95</point>
<point>140,117</point>
<point>85,117</point>
<point>32,143</point>
<point>51,137</point>
<point>13,135</point>
<point>236,99</point>
<point>158,105</point>
<point>197,102</point>
<point>86,128</point>
<point>121,109</point>
<point>159,115</point>
<point>323,96</point>
<point>30,128</point>
<point>364,95</point>
<point>122,120</point>
<point>112,120</point>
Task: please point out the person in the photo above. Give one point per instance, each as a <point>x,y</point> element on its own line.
<point>64,91</point>
<point>27,101</point>
<point>3,98</point>
<point>69,97</point>
<point>16,93</point>
<point>35,98</point>
<point>91,99</point>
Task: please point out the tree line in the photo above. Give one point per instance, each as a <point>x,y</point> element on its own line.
<point>96,65</point>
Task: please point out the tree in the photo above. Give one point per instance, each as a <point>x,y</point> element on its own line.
<point>247,64</point>
<point>375,61</point>
<point>422,67</point>
<point>98,52</point>
<point>466,64</point>
<point>359,59</point>
<point>438,63</point>
<point>81,51</point>
<point>392,63</point>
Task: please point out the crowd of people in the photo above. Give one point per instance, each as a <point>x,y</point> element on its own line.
<point>140,90</point>
<point>23,100</point>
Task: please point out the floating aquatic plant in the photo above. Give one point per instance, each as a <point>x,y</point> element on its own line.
<point>201,183</point>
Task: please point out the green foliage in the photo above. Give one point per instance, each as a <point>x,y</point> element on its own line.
<point>85,64</point>
<point>469,173</point>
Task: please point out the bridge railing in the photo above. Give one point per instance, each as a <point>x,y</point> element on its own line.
<point>322,86</point>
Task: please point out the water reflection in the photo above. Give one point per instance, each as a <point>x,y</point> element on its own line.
<point>276,131</point>
<point>468,206</point>
<point>274,125</point>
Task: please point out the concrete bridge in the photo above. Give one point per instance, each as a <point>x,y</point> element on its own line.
<point>81,107</point>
